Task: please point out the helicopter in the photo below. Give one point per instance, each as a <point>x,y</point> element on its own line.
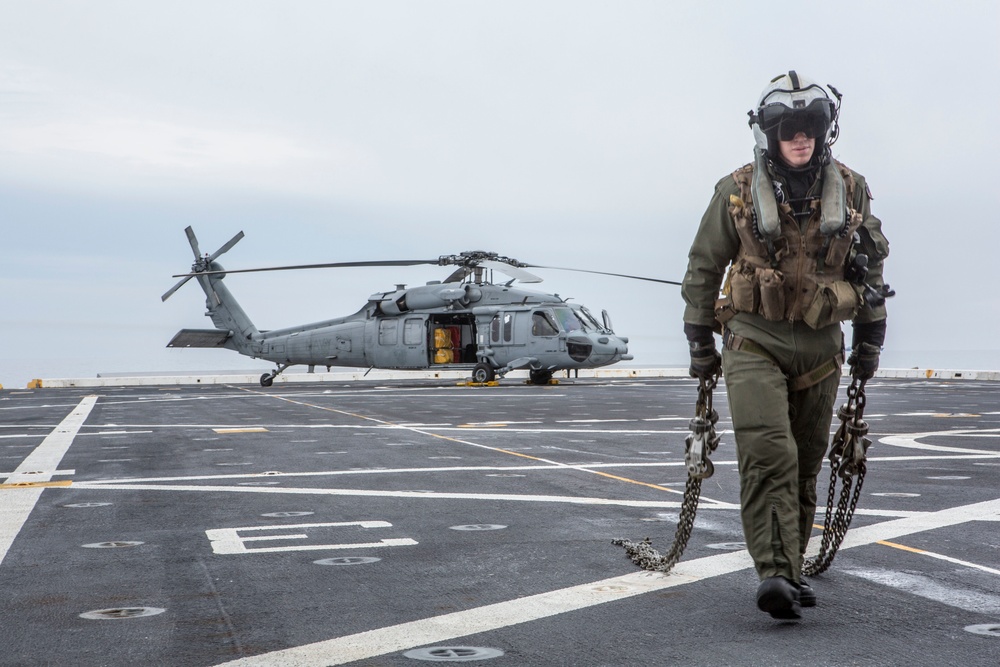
<point>466,322</point>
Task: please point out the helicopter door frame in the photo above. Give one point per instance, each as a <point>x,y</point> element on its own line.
<point>451,339</point>
<point>508,329</point>
<point>401,342</point>
<point>546,336</point>
<point>502,328</point>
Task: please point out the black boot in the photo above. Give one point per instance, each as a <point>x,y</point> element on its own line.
<point>807,596</point>
<point>780,598</point>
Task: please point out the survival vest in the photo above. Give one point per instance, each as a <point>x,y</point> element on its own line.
<point>787,272</point>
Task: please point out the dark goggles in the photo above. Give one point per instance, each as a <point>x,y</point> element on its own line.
<point>814,120</point>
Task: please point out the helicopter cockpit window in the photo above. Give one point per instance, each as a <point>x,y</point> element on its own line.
<point>542,324</point>
<point>568,321</point>
<point>588,319</point>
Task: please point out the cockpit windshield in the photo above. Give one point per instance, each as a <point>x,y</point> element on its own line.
<point>568,320</point>
<point>563,319</point>
<point>590,322</point>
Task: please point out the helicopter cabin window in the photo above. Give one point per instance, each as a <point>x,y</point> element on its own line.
<point>387,332</point>
<point>413,331</point>
<point>542,324</point>
<point>502,327</point>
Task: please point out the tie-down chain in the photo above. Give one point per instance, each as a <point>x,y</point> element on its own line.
<point>698,445</point>
<point>847,456</point>
<point>848,453</point>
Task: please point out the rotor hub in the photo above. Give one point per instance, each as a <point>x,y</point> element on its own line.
<point>471,258</point>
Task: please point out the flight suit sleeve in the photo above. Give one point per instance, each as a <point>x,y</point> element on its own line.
<point>715,245</point>
<point>874,244</point>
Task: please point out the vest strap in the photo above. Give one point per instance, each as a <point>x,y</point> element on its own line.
<point>732,341</point>
<point>816,375</point>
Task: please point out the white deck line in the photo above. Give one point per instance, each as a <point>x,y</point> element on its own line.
<point>39,466</point>
<point>617,372</point>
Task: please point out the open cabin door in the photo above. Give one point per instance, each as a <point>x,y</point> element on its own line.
<point>452,339</point>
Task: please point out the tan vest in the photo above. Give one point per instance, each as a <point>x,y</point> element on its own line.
<point>800,274</point>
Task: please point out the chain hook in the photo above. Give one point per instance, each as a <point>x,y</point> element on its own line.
<point>702,440</point>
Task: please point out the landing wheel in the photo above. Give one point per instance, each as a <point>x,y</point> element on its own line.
<point>266,380</point>
<point>483,373</point>
<point>540,377</point>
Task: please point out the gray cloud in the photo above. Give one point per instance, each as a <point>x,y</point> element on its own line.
<point>567,133</point>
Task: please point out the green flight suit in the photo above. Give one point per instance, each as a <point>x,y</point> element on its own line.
<point>781,435</point>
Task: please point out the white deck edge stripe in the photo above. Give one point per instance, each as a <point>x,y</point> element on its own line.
<point>38,466</point>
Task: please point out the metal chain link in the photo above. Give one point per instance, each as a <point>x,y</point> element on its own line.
<point>847,460</point>
<point>648,558</point>
<point>844,465</point>
<point>699,445</point>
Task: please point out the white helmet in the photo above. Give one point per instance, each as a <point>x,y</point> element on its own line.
<point>790,104</point>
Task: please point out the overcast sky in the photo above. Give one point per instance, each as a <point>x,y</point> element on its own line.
<point>586,134</point>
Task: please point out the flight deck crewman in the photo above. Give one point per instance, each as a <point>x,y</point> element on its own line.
<point>794,230</point>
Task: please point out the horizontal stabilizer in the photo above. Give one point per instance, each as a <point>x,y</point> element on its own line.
<point>200,338</point>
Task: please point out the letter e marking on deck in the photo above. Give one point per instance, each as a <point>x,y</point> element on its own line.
<point>229,540</point>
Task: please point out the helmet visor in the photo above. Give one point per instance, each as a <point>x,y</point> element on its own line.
<point>813,120</point>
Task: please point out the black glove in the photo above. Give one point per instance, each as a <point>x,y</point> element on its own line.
<point>864,361</point>
<point>866,344</point>
<point>706,362</point>
<point>868,332</point>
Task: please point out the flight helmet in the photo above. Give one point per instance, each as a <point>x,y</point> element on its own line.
<point>790,104</point>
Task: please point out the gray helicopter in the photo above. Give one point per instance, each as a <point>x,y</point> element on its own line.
<point>465,322</point>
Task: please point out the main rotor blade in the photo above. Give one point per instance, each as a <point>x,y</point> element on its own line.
<point>226,248</point>
<point>459,275</point>
<point>193,240</point>
<point>605,273</point>
<point>511,270</point>
<point>329,265</point>
<point>176,287</point>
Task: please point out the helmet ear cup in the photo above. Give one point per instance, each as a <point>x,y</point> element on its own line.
<point>834,122</point>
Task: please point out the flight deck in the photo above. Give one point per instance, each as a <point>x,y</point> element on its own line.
<point>398,522</point>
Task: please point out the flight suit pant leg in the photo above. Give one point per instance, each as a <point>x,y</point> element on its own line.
<point>768,458</point>
<point>811,413</point>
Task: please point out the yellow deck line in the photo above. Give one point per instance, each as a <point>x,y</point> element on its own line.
<point>23,485</point>
<point>253,429</point>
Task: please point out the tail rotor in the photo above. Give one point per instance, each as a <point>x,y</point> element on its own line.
<point>201,263</point>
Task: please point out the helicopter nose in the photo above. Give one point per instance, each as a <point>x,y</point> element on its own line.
<point>607,349</point>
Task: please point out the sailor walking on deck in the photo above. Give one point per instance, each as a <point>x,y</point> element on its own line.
<point>804,253</point>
